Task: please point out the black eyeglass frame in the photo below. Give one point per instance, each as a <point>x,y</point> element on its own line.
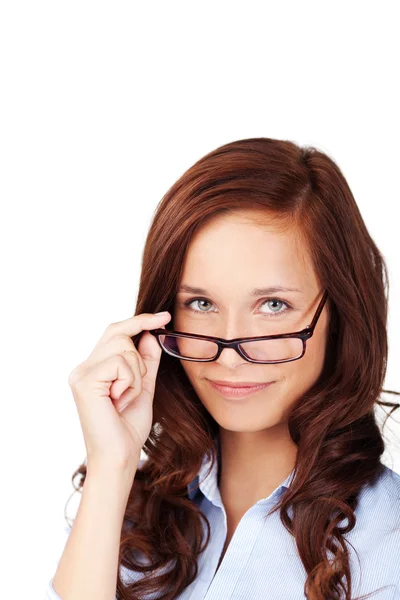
<point>305,334</point>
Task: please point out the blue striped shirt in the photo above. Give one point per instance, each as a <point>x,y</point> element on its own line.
<point>262,561</point>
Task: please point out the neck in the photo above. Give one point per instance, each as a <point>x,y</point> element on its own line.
<point>253,464</point>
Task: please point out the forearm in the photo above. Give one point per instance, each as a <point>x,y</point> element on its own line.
<point>89,564</point>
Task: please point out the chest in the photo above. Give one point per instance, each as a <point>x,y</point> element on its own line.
<point>232,523</point>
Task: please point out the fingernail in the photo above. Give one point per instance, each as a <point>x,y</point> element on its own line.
<point>165,312</point>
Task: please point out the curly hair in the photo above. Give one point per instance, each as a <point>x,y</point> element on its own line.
<point>333,424</point>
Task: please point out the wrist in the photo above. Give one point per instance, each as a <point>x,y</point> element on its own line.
<point>109,471</point>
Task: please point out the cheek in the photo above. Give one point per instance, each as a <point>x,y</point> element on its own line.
<point>301,374</point>
<point>178,319</point>
<point>191,369</point>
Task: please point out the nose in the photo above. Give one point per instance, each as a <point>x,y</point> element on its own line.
<point>230,358</point>
<point>235,327</point>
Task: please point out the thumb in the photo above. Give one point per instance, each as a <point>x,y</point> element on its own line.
<point>150,351</point>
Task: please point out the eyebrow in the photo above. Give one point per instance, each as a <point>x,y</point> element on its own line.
<point>256,292</point>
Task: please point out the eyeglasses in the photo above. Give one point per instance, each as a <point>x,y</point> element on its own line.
<point>262,349</point>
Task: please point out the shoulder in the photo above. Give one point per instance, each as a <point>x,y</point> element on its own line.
<point>391,481</point>
<point>377,521</point>
<point>388,486</point>
<point>379,503</point>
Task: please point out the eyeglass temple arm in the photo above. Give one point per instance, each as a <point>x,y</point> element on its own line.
<point>318,312</point>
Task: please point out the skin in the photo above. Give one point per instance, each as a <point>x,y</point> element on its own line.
<point>228,257</point>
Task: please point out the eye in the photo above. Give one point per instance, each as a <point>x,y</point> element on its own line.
<point>189,302</point>
<point>277,312</point>
<point>272,314</point>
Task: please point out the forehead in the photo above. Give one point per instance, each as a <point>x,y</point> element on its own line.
<point>247,249</point>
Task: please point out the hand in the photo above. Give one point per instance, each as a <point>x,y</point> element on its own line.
<point>114,389</point>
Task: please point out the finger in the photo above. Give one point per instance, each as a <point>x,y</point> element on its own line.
<point>150,352</point>
<point>135,325</point>
<point>128,386</point>
<point>115,345</point>
<point>142,366</point>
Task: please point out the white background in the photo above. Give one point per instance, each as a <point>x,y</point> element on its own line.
<point>103,106</point>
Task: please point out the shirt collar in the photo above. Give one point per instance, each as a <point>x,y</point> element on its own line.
<point>208,483</point>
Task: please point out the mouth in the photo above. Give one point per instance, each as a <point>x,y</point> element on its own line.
<point>238,389</point>
<point>237,384</point>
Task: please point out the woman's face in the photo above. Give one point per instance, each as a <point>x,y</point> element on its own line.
<point>228,258</point>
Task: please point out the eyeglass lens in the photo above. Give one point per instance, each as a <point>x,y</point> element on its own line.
<point>262,350</point>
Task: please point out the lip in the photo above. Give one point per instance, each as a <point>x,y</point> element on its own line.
<point>238,384</point>
<point>239,391</point>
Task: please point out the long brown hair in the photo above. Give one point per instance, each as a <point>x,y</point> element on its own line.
<point>333,424</point>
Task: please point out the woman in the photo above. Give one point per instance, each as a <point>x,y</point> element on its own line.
<point>272,490</point>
